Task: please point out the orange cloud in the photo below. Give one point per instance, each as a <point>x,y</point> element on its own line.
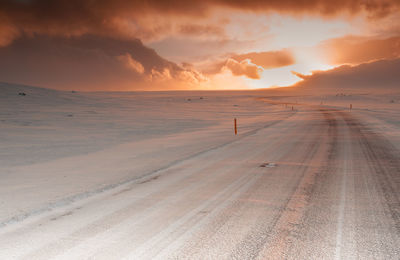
<point>199,30</point>
<point>131,63</point>
<point>91,63</point>
<point>82,39</point>
<point>7,34</point>
<point>356,50</point>
<point>378,75</point>
<point>144,19</point>
<point>268,60</point>
<point>243,68</point>
<point>257,61</point>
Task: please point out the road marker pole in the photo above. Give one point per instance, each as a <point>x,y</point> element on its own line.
<point>235,125</point>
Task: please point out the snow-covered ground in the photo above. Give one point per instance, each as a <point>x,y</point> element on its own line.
<point>61,146</point>
<point>141,175</point>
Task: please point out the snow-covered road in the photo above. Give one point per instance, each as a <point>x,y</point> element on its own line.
<point>331,191</point>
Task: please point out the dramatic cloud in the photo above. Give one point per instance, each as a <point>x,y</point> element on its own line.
<point>144,19</point>
<point>91,63</point>
<point>378,75</point>
<point>356,50</point>
<point>243,68</point>
<point>254,62</point>
<point>7,34</point>
<point>200,30</point>
<point>131,63</point>
<point>96,44</point>
<point>268,60</point>
<point>323,7</point>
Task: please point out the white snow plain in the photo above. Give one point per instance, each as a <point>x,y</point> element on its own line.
<point>141,175</point>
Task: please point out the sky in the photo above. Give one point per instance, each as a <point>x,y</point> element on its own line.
<point>122,45</point>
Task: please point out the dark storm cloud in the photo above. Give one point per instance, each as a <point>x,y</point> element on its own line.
<point>87,62</point>
<point>120,18</point>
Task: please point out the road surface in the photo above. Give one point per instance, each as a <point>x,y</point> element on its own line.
<point>329,189</point>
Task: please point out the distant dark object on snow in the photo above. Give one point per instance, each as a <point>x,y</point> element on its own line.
<point>201,97</point>
<point>268,165</point>
<point>21,94</point>
<point>189,99</point>
<point>392,101</point>
<point>235,105</point>
<point>73,91</point>
<point>70,115</point>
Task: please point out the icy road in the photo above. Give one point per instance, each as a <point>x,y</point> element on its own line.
<point>314,185</point>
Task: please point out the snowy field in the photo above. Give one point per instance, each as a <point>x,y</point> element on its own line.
<point>142,175</point>
<point>57,144</point>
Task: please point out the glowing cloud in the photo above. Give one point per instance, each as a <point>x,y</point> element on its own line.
<point>125,45</point>
<point>268,60</point>
<point>381,75</point>
<point>131,63</point>
<point>356,50</point>
<point>243,68</point>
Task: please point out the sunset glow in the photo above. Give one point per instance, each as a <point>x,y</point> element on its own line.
<point>124,45</point>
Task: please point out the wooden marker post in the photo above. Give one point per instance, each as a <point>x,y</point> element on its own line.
<point>235,125</point>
